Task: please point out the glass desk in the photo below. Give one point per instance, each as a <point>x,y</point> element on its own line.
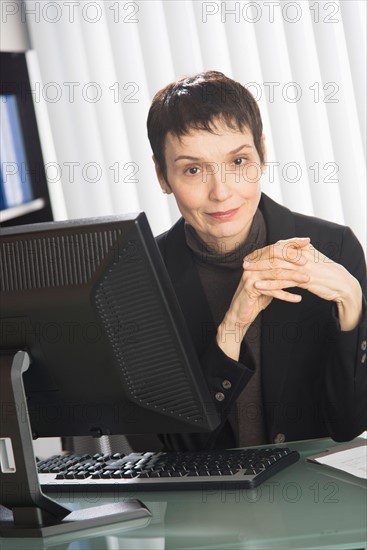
<point>305,506</point>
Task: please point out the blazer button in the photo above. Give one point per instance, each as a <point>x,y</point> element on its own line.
<point>219,396</point>
<point>363,359</point>
<point>226,384</point>
<point>364,345</point>
<point>279,438</point>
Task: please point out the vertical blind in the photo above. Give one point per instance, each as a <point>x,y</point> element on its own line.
<point>101,62</point>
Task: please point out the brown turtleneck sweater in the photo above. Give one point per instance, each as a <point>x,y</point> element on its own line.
<point>220,273</point>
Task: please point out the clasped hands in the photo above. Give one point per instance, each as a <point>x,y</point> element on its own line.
<point>288,263</point>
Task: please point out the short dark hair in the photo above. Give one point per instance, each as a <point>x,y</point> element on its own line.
<point>195,102</point>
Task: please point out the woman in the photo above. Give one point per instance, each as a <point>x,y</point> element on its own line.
<point>273,299</point>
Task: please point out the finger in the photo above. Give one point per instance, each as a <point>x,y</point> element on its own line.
<point>289,250</point>
<point>282,295</point>
<point>314,256</point>
<point>276,264</point>
<point>269,260</point>
<point>275,284</point>
<point>300,241</point>
<point>292,250</point>
<point>296,276</point>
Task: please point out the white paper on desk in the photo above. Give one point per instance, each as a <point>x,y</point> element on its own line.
<point>353,461</point>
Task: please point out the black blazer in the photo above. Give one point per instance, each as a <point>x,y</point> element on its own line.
<point>314,376</point>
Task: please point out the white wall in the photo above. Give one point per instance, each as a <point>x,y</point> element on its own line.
<point>14,35</point>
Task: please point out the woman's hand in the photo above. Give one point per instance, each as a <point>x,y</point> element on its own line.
<point>279,265</point>
<point>290,263</point>
<point>325,278</point>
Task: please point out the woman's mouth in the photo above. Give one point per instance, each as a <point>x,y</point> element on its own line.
<point>224,216</point>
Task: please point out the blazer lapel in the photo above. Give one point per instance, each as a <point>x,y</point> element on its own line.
<point>187,285</point>
<point>279,319</point>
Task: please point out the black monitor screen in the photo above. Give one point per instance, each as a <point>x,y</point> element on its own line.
<point>92,304</point>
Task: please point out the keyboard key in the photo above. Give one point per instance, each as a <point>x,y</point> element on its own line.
<point>116,456</point>
<point>95,467</point>
<point>129,474</point>
<point>227,472</point>
<point>82,475</point>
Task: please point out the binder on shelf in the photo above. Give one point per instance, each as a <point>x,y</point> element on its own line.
<point>2,196</point>
<point>15,182</point>
<point>24,191</point>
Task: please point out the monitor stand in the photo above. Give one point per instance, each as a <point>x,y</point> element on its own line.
<point>27,512</point>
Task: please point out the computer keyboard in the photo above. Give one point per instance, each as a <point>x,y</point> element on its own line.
<point>243,468</point>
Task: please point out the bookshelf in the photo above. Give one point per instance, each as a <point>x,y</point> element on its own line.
<point>24,191</point>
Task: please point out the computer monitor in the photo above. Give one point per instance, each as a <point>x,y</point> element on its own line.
<point>91,303</point>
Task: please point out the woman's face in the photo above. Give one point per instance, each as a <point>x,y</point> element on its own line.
<point>215,178</point>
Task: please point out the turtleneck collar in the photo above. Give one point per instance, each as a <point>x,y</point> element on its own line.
<point>218,257</point>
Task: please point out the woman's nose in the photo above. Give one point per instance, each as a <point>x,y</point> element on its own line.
<point>219,182</point>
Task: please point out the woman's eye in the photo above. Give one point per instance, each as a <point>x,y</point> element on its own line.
<point>192,171</point>
<point>239,161</point>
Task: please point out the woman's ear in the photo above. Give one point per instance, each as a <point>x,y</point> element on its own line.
<point>162,180</point>
<point>265,154</point>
